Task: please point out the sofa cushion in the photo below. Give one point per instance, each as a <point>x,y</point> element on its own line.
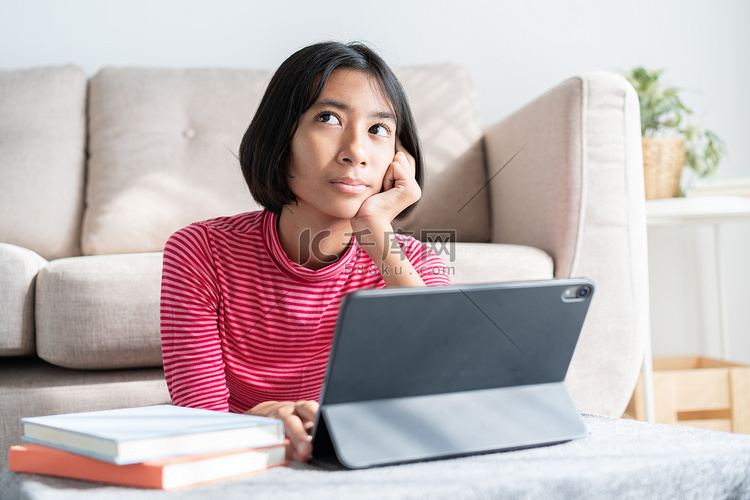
<point>490,263</point>
<point>100,312</point>
<point>30,388</point>
<point>42,155</point>
<point>18,270</point>
<point>81,302</point>
<point>162,145</point>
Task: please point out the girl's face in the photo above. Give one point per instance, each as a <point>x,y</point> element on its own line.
<point>342,147</point>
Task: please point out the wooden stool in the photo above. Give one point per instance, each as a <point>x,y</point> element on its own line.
<point>699,392</point>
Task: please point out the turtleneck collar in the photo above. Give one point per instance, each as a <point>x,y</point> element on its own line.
<point>297,271</point>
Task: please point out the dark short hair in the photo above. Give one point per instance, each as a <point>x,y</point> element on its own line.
<point>265,151</point>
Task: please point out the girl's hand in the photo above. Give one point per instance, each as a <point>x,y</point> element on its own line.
<point>298,418</point>
<point>372,223</point>
<point>400,189</point>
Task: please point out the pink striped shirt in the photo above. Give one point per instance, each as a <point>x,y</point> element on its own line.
<point>242,324</point>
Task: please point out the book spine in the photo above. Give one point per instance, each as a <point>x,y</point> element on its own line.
<point>53,462</point>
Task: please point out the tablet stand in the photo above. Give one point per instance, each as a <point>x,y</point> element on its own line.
<point>390,431</point>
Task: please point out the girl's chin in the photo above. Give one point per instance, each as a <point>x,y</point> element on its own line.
<point>349,212</point>
<point>343,211</point>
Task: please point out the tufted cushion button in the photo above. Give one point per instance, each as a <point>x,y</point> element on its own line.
<point>189,132</point>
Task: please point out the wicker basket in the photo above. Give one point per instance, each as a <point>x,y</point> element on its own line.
<point>663,158</point>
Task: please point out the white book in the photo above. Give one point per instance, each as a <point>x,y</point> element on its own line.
<point>721,186</point>
<point>132,435</point>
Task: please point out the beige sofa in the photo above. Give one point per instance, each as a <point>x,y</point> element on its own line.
<point>96,174</point>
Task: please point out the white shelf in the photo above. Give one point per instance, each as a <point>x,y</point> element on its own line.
<point>711,211</point>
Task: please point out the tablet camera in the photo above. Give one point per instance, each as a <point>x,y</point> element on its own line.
<point>576,293</point>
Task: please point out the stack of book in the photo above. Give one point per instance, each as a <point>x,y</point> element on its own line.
<point>721,186</point>
<point>163,447</point>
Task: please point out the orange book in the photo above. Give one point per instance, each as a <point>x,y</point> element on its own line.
<point>164,473</point>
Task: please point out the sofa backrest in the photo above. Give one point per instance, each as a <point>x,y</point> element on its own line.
<point>161,154</point>
<point>42,159</point>
<point>455,195</point>
<point>162,146</point>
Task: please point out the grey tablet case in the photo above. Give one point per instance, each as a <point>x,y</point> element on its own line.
<point>424,373</point>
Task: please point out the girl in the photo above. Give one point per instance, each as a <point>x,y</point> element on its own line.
<point>249,302</point>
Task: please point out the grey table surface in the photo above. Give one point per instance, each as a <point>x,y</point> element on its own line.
<point>617,459</point>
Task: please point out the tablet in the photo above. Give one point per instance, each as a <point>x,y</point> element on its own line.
<point>424,373</point>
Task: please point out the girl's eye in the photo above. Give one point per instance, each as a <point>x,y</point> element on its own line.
<point>328,118</point>
<point>380,130</point>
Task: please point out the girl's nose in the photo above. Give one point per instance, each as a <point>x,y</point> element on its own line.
<point>352,149</point>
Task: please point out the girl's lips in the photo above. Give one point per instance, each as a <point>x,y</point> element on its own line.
<point>349,186</point>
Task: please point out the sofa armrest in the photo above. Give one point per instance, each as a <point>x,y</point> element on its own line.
<point>18,270</point>
<point>575,190</point>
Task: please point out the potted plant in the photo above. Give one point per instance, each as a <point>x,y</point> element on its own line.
<point>667,146</point>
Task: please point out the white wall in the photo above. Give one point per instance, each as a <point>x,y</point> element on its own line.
<point>514,50</point>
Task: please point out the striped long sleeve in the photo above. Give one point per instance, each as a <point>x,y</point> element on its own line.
<point>241,324</point>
